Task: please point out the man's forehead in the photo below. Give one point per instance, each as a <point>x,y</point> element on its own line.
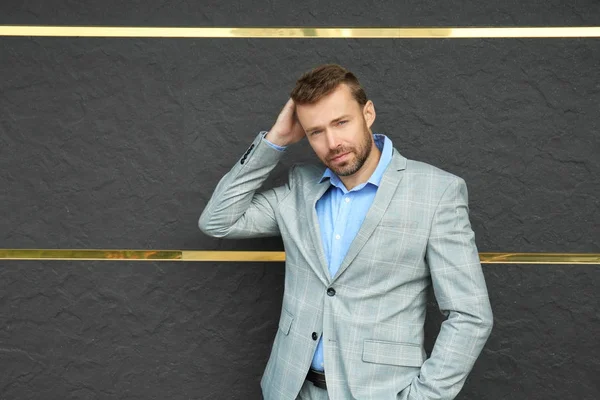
<point>330,107</point>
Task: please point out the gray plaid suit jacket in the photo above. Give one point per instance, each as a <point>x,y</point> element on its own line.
<point>416,234</point>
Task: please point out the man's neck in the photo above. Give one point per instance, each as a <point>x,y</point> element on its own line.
<point>365,172</point>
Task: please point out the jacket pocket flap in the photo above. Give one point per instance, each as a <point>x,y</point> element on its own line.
<point>393,353</point>
<point>285,322</point>
<point>400,224</point>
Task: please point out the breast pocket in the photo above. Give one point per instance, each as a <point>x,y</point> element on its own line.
<point>399,246</point>
<point>393,353</point>
<point>399,223</point>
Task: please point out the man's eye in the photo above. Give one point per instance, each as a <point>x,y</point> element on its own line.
<point>342,122</point>
<point>314,133</point>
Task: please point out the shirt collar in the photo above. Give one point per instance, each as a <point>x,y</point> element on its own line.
<point>384,144</point>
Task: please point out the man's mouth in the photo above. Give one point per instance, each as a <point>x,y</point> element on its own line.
<point>339,157</point>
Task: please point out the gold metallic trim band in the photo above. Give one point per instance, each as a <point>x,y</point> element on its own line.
<point>240,256</point>
<point>540,258</point>
<point>90,255</point>
<point>302,32</point>
<point>260,256</point>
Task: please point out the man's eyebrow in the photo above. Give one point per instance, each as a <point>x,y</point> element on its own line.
<point>340,118</point>
<point>333,121</point>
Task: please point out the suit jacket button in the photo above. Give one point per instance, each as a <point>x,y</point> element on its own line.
<point>331,291</point>
<point>315,336</point>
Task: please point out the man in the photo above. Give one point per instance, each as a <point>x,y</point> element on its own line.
<point>364,238</point>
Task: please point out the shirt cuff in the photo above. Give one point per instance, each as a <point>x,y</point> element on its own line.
<point>273,145</point>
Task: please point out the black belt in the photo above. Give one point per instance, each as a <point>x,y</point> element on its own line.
<point>317,378</point>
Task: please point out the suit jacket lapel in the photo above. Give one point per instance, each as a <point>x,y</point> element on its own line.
<point>387,187</point>
<point>313,196</point>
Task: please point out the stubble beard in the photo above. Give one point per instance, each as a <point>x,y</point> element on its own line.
<point>361,154</point>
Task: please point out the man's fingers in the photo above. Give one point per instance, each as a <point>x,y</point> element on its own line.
<point>289,107</point>
<point>288,112</point>
<point>290,103</point>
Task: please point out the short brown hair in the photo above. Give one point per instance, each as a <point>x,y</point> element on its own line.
<point>324,79</point>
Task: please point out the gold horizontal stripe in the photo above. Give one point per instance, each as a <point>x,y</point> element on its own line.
<point>240,256</point>
<point>540,258</point>
<point>90,255</point>
<point>260,256</point>
<point>301,32</point>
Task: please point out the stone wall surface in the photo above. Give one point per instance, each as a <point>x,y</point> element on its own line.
<point>117,143</point>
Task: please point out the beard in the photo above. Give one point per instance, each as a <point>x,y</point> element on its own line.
<point>361,153</point>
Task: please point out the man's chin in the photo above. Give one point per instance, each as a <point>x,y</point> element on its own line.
<point>345,170</point>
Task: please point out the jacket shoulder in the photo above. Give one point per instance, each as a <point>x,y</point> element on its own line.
<point>427,170</point>
<point>305,173</point>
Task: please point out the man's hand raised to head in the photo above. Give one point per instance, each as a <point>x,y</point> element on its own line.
<point>287,129</point>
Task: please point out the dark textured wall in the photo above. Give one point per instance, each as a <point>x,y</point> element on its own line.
<point>118,143</point>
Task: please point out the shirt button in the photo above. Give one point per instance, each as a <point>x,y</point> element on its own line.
<point>331,292</point>
<point>338,237</point>
<point>347,199</point>
<point>315,336</point>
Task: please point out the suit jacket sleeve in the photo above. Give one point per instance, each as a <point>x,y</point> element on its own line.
<point>461,293</point>
<point>235,209</point>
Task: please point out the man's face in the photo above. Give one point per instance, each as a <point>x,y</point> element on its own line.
<point>337,128</point>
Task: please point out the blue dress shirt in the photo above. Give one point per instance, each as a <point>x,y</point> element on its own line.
<point>341,213</point>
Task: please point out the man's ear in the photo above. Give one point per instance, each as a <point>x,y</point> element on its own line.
<point>369,113</point>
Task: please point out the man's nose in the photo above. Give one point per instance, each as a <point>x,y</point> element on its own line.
<point>332,141</point>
